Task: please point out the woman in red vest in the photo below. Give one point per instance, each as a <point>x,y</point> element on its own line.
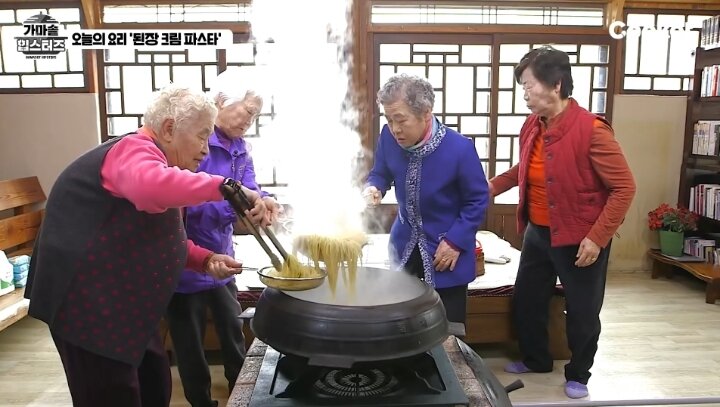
<point>575,188</point>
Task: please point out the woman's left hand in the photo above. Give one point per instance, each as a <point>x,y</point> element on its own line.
<point>445,257</point>
<point>587,254</point>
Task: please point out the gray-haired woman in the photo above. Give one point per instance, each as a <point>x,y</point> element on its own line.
<point>112,246</point>
<point>440,188</point>
<point>210,225</point>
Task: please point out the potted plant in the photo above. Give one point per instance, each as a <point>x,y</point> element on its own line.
<point>672,223</point>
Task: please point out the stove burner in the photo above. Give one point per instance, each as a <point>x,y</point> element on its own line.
<point>357,383</point>
<point>425,380</point>
<point>365,380</point>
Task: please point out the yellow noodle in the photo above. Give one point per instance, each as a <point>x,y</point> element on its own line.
<point>292,268</point>
<point>337,253</point>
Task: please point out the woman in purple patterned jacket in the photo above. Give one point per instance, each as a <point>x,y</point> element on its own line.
<point>211,226</point>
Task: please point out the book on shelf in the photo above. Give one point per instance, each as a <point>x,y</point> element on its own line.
<point>709,81</point>
<point>701,248</point>
<point>706,137</point>
<point>705,200</point>
<point>710,33</point>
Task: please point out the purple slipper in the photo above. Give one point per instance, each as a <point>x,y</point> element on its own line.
<point>517,368</point>
<point>576,390</point>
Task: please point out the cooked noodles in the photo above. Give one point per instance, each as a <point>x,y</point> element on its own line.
<point>337,253</point>
<point>292,268</point>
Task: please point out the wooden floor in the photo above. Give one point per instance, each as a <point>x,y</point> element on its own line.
<point>660,340</point>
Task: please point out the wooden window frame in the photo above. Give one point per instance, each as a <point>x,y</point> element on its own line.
<point>620,67</point>
<point>493,5</point>
<point>240,34</point>
<point>87,58</point>
<point>500,217</point>
<point>495,41</point>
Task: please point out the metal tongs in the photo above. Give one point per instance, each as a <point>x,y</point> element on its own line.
<point>234,194</point>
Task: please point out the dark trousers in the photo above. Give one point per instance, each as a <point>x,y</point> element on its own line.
<point>95,380</point>
<point>187,319</point>
<point>454,298</point>
<point>584,288</point>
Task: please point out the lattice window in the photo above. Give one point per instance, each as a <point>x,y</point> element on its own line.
<point>17,73</point>
<point>461,74</point>
<point>132,75</point>
<point>176,13</point>
<point>269,170</point>
<point>464,13</point>
<point>590,79</point>
<point>659,52</point>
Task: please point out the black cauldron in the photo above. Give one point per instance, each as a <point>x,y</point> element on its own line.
<point>389,315</point>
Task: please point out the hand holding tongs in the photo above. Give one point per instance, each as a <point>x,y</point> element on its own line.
<point>233,193</point>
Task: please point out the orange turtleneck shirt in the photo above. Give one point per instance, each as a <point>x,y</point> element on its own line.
<point>536,193</point>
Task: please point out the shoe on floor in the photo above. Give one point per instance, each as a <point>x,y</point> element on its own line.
<point>576,390</point>
<point>517,368</point>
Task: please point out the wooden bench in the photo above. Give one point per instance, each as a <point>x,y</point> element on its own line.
<point>488,321</point>
<point>665,266</point>
<point>20,218</point>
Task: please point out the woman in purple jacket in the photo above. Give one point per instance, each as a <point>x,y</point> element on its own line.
<point>441,190</point>
<point>211,226</point>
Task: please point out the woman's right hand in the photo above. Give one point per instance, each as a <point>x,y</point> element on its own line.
<point>274,209</point>
<point>257,213</point>
<point>221,266</point>
<point>372,196</point>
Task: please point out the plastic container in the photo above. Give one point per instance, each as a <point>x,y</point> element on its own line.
<point>21,265</point>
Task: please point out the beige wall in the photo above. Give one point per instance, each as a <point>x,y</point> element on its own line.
<point>650,130</point>
<point>41,134</point>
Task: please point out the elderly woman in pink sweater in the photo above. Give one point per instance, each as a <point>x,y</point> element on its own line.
<point>112,246</point>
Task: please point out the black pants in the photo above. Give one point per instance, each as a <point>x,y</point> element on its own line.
<point>95,380</point>
<point>454,298</point>
<point>584,287</point>
<point>187,319</point>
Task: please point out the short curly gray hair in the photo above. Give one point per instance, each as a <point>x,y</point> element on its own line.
<point>415,91</point>
<point>179,104</point>
<point>236,84</point>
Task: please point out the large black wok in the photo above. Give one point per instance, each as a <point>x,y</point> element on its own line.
<point>389,315</point>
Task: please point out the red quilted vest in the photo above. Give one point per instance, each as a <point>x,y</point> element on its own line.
<point>576,195</point>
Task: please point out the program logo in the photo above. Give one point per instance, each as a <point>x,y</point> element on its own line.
<point>41,39</point>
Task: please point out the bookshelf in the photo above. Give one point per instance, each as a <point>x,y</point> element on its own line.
<point>700,173</point>
<point>700,177</point>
